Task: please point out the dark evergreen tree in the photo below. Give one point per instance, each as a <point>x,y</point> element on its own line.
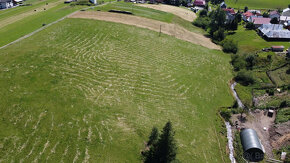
<point>218,19</point>
<point>274,21</point>
<point>166,146</point>
<point>239,16</point>
<point>153,136</point>
<point>246,9</point>
<point>164,150</point>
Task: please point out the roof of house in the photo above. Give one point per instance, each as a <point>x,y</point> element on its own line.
<point>223,4</point>
<point>248,14</point>
<point>2,1</point>
<point>271,27</point>
<point>274,12</point>
<point>255,11</point>
<point>277,47</point>
<point>285,18</point>
<point>286,12</point>
<point>199,2</point>
<point>229,10</point>
<point>270,33</point>
<point>259,20</point>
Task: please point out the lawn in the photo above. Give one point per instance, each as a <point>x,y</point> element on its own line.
<point>258,4</point>
<point>31,23</point>
<point>85,90</point>
<point>283,115</point>
<point>151,14</point>
<point>280,76</point>
<point>249,41</point>
<point>245,94</point>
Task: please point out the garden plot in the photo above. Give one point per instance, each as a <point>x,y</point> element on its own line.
<point>88,90</point>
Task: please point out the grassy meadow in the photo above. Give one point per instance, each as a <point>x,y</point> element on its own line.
<point>258,4</point>
<point>150,14</point>
<point>86,90</point>
<point>25,22</point>
<point>249,41</point>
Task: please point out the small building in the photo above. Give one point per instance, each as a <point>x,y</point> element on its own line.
<point>199,3</point>
<point>255,11</point>
<point>277,48</point>
<point>230,14</point>
<point>286,12</point>
<point>259,21</point>
<point>274,14</point>
<point>223,5</point>
<point>274,32</point>
<point>270,113</point>
<point>253,149</point>
<point>247,15</point>
<point>284,19</point>
<point>6,4</point>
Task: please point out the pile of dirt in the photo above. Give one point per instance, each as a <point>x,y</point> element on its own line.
<point>280,135</point>
<point>167,28</point>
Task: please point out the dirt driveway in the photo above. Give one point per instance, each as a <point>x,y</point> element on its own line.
<point>181,12</point>
<point>257,120</point>
<point>167,28</point>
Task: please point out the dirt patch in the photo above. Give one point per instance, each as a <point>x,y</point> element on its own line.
<point>257,120</point>
<point>181,12</point>
<point>280,135</point>
<point>167,28</point>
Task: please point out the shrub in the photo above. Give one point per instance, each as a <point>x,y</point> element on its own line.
<point>219,35</point>
<point>238,62</point>
<point>251,60</point>
<point>202,22</point>
<point>230,46</point>
<point>226,114</point>
<point>270,92</point>
<point>203,12</point>
<point>250,25</point>
<point>274,20</point>
<point>245,78</point>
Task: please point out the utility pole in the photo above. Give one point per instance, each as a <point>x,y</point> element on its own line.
<point>160,31</point>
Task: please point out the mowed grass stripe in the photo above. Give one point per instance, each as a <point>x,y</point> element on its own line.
<point>91,90</point>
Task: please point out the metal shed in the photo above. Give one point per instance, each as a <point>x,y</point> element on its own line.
<point>253,149</point>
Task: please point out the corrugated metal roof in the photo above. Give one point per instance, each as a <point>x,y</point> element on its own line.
<point>250,140</point>
<point>274,31</point>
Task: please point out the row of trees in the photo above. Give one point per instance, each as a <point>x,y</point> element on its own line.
<point>216,24</point>
<point>161,148</point>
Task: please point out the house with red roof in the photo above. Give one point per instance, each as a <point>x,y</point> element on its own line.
<point>229,10</point>
<point>247,15</point>
<point>200,3</point>
<point>259,21</point>
<point>274,14</point>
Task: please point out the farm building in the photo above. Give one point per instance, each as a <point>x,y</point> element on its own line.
<point>284,19</point>
<point>200,3</point>
<point>286,12</point>
<point>274,32</point>
<point>223,5</point>
<point>259,21</point>
<point>277,48</point>
<point>247,15</point>
<point>274,14</point>
<point>253,149</point>
<point>230,14</point>
<point>6,4</point>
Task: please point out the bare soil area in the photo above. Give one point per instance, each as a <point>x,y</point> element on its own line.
<point>280,135</point>
<point>181,12</point>
<point>257,120</point>
<point>167,28</point>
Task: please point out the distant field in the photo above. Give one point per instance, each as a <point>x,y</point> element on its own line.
<point>258,4</point>
<point>19,21</point>
<point>85,90</point>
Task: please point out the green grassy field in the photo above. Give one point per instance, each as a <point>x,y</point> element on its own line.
<point>249,41</point>
<point>258,4</point>
<point>151,14</point>
<point>33,22</point>
<point>85,90</point>
<point>280,76</point>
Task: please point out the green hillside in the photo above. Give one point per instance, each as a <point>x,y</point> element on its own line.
<point>85,90</point>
